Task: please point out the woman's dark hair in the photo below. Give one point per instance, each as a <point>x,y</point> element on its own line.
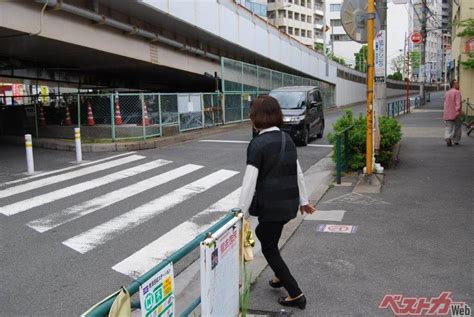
<point>452,83</point>
<point>265,112</point>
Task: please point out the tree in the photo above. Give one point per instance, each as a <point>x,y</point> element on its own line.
<point>319,47</point>
<point>415,59</point>
<point>468,30</point>
<point>339,60</point>
<point>361,59</point>
<point>397,64</point>
<point>395,76</point>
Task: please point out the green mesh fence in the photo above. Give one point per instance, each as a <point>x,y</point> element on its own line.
<point>239,77</point>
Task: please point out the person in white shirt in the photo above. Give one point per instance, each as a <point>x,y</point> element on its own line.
<point>272,189</point>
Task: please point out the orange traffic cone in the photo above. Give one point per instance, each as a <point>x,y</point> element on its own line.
<point>68,120</point>
<point>41,118</point>
<point>118,116</point>
<point>146,115</point>
<point>90,115</point>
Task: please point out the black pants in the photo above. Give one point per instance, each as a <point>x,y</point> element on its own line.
<point>269,234</point>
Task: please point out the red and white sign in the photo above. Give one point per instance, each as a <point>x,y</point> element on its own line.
<point>416,38</point>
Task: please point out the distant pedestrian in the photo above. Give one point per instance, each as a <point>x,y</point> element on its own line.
<point>273,188</point>
<point>452,114</point>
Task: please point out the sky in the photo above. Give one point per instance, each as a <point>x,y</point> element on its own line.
<point>397,26</point>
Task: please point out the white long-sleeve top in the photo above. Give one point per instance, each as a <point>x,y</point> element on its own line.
<point>249,183</point>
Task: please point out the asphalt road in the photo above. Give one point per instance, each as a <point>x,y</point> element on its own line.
<point>71,237</point>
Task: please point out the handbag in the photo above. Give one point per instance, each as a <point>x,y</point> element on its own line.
<point>249,242</point>
<point>254,206</point>
<point>121,306</point>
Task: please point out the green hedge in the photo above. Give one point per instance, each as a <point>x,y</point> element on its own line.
<point>390,134</point>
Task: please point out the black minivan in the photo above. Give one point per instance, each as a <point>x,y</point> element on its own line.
<point>303,116</point>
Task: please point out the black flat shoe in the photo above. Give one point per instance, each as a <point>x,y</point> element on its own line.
<point>275,284</point>
<point>300,302</point>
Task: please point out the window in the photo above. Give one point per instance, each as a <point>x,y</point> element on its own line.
<point>290,30</point>
<point>297,16</point>
<point>303,3</point>
<point>282,14</point>
<point>290,14</point>
<point>303,18</point>
<point>309,34</point>
<point>335,7</point>
<point>297,32</point>
<point>335,23</point>
<point>308,19</point>
<point>303,33</point>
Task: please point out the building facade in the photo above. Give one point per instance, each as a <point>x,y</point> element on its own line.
<point>462,11</point>
<point>301,19</point>
<point>433,69</point>
<point>337,40</point>
<point>258,7</point>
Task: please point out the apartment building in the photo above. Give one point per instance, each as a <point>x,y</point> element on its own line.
<point>338,40</point>
<point>301,19</point>
<point>434,39</point>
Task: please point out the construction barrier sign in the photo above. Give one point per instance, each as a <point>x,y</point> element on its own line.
<point>157,297</point>
<point>220,267</point>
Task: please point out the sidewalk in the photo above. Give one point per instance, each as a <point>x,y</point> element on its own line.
<point>414,238</point>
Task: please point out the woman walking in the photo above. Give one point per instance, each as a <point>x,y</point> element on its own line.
<point>273,188</point>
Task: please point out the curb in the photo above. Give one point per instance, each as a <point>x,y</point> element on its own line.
<point>68,145</point>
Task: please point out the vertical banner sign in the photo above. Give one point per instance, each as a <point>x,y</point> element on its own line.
<point>380,56</point>
<point>157,294</point>
<point>17,93</point>
<point>220,269</point>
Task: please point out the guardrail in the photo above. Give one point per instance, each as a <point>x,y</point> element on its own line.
<point>102,308</point>
<point>398,107</point>
<point>344,133</point>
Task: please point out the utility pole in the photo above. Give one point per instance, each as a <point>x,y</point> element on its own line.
<point>370,86</point>
<point>423,50</point>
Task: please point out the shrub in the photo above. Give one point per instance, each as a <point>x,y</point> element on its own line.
<point>390,134</point>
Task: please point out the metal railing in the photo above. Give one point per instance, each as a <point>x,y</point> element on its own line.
<point>339,165</point>
<point>398,107</point>
<point>102,308</point>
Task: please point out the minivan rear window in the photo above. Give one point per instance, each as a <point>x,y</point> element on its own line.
<point>289,99</point>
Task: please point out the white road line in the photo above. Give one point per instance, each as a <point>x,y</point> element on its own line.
<point>326,215</point>
<point>65,169</point>
<point>321,145</point>
<point>224,141</point>
<point>50,197</point>
<point>100,234</point>
<point>150,255</point>
<point>67,176</point>
<point>64,216</point>
<point>247,142</point>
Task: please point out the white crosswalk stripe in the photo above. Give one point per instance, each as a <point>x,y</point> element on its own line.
<point>85,163</point>
<point>149,256</point>
<point>100,234</point>
<point>10,191</point>
<point>91,237</point>
<point>64,216</point>
<point>36,201</point>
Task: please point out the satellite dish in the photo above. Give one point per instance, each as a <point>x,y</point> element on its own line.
<point>354,19</point>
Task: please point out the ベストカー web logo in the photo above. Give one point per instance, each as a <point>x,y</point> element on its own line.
<point>443,305</point>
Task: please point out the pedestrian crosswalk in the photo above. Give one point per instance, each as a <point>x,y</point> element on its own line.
<point>115,188</point>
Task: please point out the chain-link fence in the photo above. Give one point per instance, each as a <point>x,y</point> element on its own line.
<point>239,77</point>
<point>113,116</point>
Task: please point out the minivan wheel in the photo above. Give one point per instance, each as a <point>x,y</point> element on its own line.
<point>305,137</point>
<point>321,132</point>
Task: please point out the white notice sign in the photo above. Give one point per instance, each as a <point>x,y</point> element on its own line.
<point>379,45</point>
<point>220,275</point>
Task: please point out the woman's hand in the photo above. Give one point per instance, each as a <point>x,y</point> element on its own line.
<point>307,209</point>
